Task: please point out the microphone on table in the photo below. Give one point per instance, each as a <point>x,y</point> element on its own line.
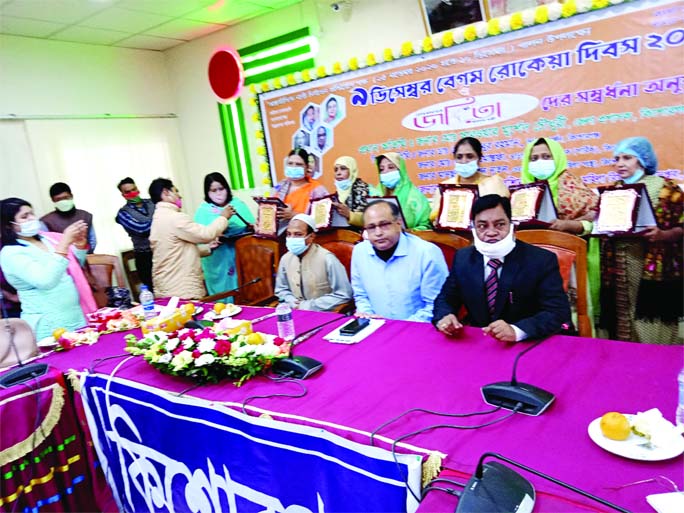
<point>507,394</point>
<point>496,488</point>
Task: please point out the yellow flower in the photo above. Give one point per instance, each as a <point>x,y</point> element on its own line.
<point>255,117</point>
<point>265,87</point>
<point>259,135</point>
<point>306,75</point>
<point>470,34</point>
<point>252,88</point>
<point>406,49</point>
<point>321,72</point>
<point>387,55</point>
<point>266,181</point>
<point>541,14</point>
<point>354,63</point>
<point>569,8</point>
<point>290,79</point>
<point>261,151</point>
<point>337,68</point>
<point>493,28</point>
<point>599,4</point>
<point>370,60</point>
<point>252,101</point>
<point>448,39</point>
<point>277,83</point>
<point>516,21</point>
<point>427,44</point>
<point>263,167</point>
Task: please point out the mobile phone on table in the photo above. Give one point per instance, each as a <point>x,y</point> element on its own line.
<point>353,327</point>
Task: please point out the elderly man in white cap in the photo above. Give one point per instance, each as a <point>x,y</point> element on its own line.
<point>310,277</point>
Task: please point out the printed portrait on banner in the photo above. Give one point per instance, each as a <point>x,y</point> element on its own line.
<point>448,14</point>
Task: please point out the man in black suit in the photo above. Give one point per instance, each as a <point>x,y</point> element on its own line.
<point>511,289</point>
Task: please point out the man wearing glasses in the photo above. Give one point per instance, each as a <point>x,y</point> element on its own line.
<point>395,275</point>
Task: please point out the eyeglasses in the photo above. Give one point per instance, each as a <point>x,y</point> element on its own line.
<point>382,225</point>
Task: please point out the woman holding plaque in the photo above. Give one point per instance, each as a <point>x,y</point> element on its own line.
<point>394,181</point>
<point>351,191</point>
<point>298,188</point>
<point>219,266</point>
<point>467,159</point>
<point>642,277</point>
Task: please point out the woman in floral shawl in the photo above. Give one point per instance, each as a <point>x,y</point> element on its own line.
<point>351,191</point>
<point>576,204</point>
<point>642,277</point>
<point>394,181</point>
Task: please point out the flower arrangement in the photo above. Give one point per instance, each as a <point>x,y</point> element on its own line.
<point>67,340</point>
<point>208,355</point>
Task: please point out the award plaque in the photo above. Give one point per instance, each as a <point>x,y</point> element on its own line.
<point>395,200</point>
<point>455,206</point>
<point>325,214</point>
<point>624,210</point>
<point>267,223</point>
<point>532,205</point>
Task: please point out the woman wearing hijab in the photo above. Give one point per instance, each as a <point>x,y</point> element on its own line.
<point>298,188</point>
<point>467,159</point>
<point>219,266</point>
<point>351,191</point>
<point>642,277</point>
<point>394,181</point>
<point>45,269</point>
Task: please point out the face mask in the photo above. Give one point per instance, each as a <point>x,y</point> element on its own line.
<point>542,169</point>
<point>64,205</point>
<point>29,228</point>
<point>466,170</point>
<point>296,245</point>
<point>497,249</point>
<point>218,198</point>
<point>132,196</point>
<point>343,185</point>
<point>294,172</point>
<point>391,179</point>
<point>638,174</point>
<point>178,202</point>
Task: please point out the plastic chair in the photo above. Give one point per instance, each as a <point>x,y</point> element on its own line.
<point>449,243</point>
<point>571,251</point>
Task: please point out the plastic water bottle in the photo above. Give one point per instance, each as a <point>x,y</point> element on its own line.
<point>147,300</point>
<point>679,416</point>
<point>286,327</point>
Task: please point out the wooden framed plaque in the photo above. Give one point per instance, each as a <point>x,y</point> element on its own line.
<point>325,214</point>
<point>267,223</point>
<point>455,206</point>
<point>532,205</point>
<point>624,210</point>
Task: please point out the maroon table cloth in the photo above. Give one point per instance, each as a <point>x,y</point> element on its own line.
<point>406,365</point>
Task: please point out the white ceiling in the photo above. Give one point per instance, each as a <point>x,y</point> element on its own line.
<point>143,24</point>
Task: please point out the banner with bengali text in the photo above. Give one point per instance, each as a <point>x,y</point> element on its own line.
<point>587,82</point>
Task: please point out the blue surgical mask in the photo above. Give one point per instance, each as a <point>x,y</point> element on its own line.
<point>296,245</point>
<point>638,174</point>
<point>466,170</point>
<point>391,179</point>
<point>294,172</point>
<point>29,228</point>
<point>542,169</point>
<point>343,185</point>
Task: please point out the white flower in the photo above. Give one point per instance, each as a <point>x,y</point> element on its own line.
<point>172,344</point>
<point>181,360</point>
<point>583,5</point>
<point>298,77</point>
<point>206,344</point>
<point>459,35</point>
<point>615,2</point>
<point>165,358</point>
<point>204,359</point>
<point>528,17</point>
<point>436,42</point>
<point>188,343</point>
<point>505,23</point>
<point>555,10</point>
<point>481,29</point>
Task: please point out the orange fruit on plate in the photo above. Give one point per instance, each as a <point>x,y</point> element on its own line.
<point>615,426</point>
<point>219,307</point>
<point>255,339</point>
<point>58,333</point>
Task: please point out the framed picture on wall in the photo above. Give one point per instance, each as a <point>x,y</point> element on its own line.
<point>496,8</point>
<point>441,15</point>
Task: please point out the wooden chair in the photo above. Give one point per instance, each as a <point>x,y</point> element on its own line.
<point>134,282</point>
<point>341,243</point>
<point>449,243</point>
<point>571,250</point>
<point>255,257</point>
<point>103,268</point>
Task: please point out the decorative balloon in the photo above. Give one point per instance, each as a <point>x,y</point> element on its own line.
<point>226,75</point>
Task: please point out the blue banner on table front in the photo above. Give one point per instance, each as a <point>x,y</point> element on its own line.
<point>162,453</point>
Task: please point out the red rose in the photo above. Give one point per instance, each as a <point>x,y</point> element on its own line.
<point>65,343</point>
<point>278,341</point>
<point>222,347</point>
<point>178,350</point>
<point>196,353</point>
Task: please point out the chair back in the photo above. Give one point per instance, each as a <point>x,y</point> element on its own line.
<point>105,268</point>
<point>449,243</point>
<point>257,257</point>
<point>134,282</point>
<point>340,242</point>
<point>571,252</point>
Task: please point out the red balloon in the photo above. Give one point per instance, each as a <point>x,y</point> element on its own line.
<point>226,75</point>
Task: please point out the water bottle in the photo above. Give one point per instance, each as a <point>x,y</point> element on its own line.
<point>679,416</point>
<point>147,300</point>
<point>286,328</point>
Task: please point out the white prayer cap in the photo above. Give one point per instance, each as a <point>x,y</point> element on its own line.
<point>305,218</point>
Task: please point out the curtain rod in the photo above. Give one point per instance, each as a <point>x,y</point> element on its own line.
<point>20,117</point>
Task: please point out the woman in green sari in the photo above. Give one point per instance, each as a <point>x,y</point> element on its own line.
<point>219,267</point>
<point>394,181</point>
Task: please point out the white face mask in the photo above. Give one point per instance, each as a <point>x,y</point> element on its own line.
<point>343,185</point>
<point>497,249</point>
<point>542,169</point>
<point>29,228</point>
<point>466,170</point>
<point>638,174</point>
<point>390,179</point>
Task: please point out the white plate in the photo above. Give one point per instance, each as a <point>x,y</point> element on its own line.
<point>634,447</point>
<point>227,312</point>
<point>47,342</point>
